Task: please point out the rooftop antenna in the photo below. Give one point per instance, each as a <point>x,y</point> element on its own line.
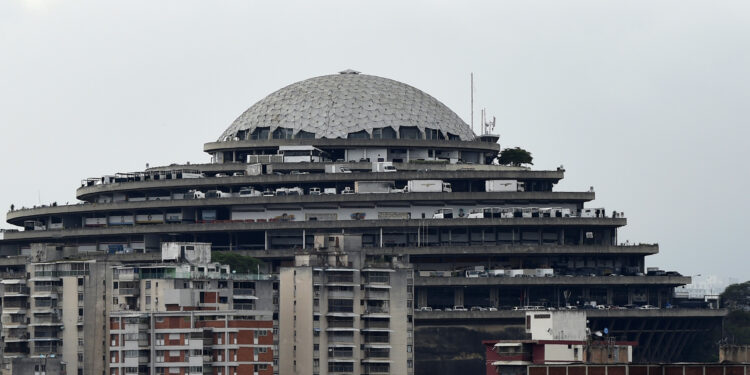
<point>472,101</point>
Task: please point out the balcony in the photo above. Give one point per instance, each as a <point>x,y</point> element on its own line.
<point>377,339</point>
<point>376,310</point>
<point>46,290</point>
<point>244,306</point>
<point>377,294</point>
<point>46,321</point>
<point>243,292</point>
<point>341,294</point>
<point>333,279</point>
<point>376,324</point>
<point>16,290</point>
<point>128,291</point>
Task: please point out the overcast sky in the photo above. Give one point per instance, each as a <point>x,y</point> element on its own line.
<point>647,101</point>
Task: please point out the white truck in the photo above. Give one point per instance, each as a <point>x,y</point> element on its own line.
<point>428,186</point>
<point>329,191</point>
<point>592,212</point>
<point>443,213</point>
<point>247,192</point>
<point>217,194</point>
<point>492,186</point>
<point>336,168</point>
<point>383,166</point>
<point>365,187</point>
<point>544,272</point>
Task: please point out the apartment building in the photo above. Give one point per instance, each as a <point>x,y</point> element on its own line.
<point>186,315</point>
<point>343,313</point>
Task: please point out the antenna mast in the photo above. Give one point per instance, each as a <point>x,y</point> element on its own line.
<point>472,101</point>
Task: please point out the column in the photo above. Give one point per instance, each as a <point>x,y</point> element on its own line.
<point>458,297</point>
<point>495,296</point>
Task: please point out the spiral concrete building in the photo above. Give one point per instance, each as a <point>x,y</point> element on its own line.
<point>390,242</point>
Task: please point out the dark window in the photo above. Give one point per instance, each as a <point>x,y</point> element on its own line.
<point>304,135</point>
<point>384,133</point>
<point>282,133</point>
<point>409,132</point>
<point>260,133</point>
<point>358,135</point>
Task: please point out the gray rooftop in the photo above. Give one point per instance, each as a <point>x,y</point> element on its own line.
<point>333,106</point>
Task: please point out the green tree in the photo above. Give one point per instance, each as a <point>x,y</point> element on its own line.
<point>515,157</point>
<point>237,262</point>
<point>736,298</point>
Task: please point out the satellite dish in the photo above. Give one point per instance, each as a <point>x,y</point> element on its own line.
<point>598,334</point>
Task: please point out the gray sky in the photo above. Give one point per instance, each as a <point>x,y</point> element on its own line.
<point>647,101</point>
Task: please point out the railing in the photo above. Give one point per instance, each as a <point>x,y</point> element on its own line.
<point>342,309</point>
<point>46,288</point>
<point>243,292</point>
<point>61,273</point>
<point>376,310</point>
<point>376,339</point>
<point>385,353</point>
<point>12,275</point>
<point>128,291</point>
<point>209,275</point>
<point>377,279</point>
<point>44,320</point>
<point>16,289</point>
<point>340,324</point>
<point>339,278</point>
<point>369,323</point>
<point>45,303</point>
<point>244,306</point>
<point>15,305</point>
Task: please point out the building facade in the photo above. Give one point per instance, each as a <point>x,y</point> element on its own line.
<point>367,158</point>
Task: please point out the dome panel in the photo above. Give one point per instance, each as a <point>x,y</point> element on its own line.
<point>333,106</point>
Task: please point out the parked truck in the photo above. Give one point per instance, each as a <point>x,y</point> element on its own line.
<point>365,187</point>
<point>383,166</point>
<point>336,168</point>
<point>428,186</point>
<point>492,186</point>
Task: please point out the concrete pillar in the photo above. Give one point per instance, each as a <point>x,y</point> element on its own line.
<point>495,297</point>
<point>265,240</point>
<point>610,296</point>
<point>630,296</point>
<point>458,297</point>
<point>561,238</point>
<point>422,297</point>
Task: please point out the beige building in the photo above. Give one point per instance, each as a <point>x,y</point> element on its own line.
<point>343,313</point>
<point>45,303</point>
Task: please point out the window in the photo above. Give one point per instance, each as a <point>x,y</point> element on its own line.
<point>148,284</point>
<point>260,133</point>
<point>358,135</point>
<point>409,132</point>
<point>283,133</point>
<point>432,134</point>
<point>384,133</point>
<point>304,135</point>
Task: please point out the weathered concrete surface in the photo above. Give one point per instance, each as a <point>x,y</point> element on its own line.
<point>480,198</point>
<point>552,280</point>
<point>325,225</point>
<point>86,192</point>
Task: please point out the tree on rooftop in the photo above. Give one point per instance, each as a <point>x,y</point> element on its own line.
<point>238,263</point>
<point>515,157</point>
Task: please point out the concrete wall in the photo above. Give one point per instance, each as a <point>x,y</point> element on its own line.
<point>70,323</point>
